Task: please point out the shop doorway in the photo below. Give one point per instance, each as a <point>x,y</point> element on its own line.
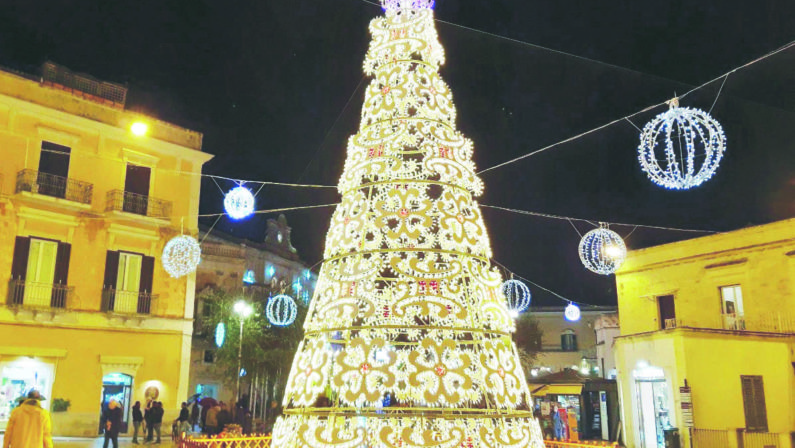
<point>655,413</point>
<point>19,377</point>
<point>116,386</point>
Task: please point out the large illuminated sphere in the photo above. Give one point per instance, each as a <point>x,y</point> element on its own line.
<point>602,251</point>
<point>239,203</point>
<point>181,256</point>
<point>281,310</point>
<point>395,5</point>
<point>681,148</point>
<point>517,294</point>
<point>220,334</point>
<point>572,313</point>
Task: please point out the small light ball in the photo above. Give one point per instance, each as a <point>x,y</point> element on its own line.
<point>602,251</point>
<point>681,148</point>
<point>181,256</point>
<point>517,295</point>
<point>281,310</point>
<point>572,313</point>
<point>239,203</point>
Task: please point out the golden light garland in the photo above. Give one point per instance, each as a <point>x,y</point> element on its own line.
<point>407,339</point>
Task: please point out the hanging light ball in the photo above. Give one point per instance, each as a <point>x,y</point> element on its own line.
<point>396,5</point>
<point>681,148</point>
<point>220,334</point>
<point>239,203</point>
<point>602,251</point>
<point>517,294</point>
<point>572,313</point>
<point>181,256</point>
<point>281,310</point>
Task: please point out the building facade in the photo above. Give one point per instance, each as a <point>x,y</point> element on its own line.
<point>257,268</point>
<point>86,207</point>
<point>707,347</point>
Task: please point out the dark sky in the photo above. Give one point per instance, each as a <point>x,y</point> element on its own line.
<point>266,81</point>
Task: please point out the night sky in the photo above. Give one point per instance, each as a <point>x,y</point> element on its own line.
<point>267,81</point>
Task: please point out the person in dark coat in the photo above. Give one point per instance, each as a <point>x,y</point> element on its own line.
<point>194,415</point>
<point>112,419</point>
<point>138,418</point>
<point>148,416</point>
<point>184,419</point>
<point>157,418</point>
<point>224,417</point>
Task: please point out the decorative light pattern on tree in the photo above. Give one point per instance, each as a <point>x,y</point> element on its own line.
<point>681,148</point>
<point>572,313</point>
<point>220,334</point>
<point>602,251</point>
<point>281,310</point>
<point>408,336</point>
<point>239,203</point>
<point>181,256</point>
<point>517,295</point>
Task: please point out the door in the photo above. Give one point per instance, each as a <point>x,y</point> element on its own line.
<point>53,169</point>
<point>667,311</point>
<point>136,189</point>
<point>40,275</point>
<point>128,282</point>
<point>116,386</point>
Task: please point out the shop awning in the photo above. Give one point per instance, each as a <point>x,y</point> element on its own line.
<point>540,390</point>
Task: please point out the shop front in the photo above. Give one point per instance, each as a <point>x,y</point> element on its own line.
<point>653,402</point>
<point>20,375</point>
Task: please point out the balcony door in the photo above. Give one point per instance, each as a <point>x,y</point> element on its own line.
<point>128,283</point>
<point>40,275</point>
<point>136,189</point>
<point>53,169</point>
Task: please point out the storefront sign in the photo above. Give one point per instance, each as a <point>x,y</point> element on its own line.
<point>687,406</point>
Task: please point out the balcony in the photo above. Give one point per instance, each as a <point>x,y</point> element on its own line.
<point>223,250</point>
<point>127,302</point>
<point>38,295</point>
<point>773,322</point>
<point>137,204</point>
<point>45,184</point>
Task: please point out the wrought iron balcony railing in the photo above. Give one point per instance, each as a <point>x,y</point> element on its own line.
<point>772,322</point>
<point>127,302</point>
<point>46,184</point>
<point>38,295</point>
<point>124,201</point>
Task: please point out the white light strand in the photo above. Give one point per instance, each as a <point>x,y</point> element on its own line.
<point>181,256</point>
<point>517,294</point>
<point>281,310</point>
<point>602,251</point>
<point>681,148</point>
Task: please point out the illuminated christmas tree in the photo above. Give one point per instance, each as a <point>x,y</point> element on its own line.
<point>408,337</point>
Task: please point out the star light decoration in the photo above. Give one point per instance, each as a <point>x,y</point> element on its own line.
<point>407,304</point>
<point>602,251</point>
<point>239,203</point>
<point>572,312</point>
<point>220,334</point>
<point>517,294</point>
<point>281,310</point>
<point>682,147</point>
<point>181,256</point>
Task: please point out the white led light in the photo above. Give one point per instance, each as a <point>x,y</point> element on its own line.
<point>681,148</point>
<point>181,256</point>
<point>239,203</point>
<point>572,313</point>
<point>220,334</point>
<point>602,251</point>
<point>281,310</point>
<point>517,294</point>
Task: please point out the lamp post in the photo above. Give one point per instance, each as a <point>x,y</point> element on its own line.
<point>243,311</point>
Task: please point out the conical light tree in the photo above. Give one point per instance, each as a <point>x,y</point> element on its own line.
<point>408,337</point>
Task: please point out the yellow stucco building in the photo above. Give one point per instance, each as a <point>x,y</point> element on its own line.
<point>86,206</point>
<point>707,341</point>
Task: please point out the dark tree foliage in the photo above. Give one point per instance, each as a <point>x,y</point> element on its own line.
<point>528,340</point>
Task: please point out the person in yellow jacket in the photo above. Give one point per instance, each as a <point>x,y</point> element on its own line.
<point>29,425</point>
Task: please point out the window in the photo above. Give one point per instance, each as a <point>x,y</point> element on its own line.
<point>128,282</point>
<point>667,310</point>
<point>39,272</point>
<point>732,299</point>
<point>209,356</point>
<point>568,341</point>
<point>136,189</point>
<point>754,403</point>
<point>53,169</point>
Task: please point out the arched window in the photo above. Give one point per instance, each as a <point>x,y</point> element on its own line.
<point>568,341</point>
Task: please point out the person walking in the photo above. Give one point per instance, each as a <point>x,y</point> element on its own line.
<point>211,423</point>
<point>112,423</point>
<point>157,418</point>
<point>148,415</point>
<point>138,418</point>
<point>184,419</point>
<point>224,417</point>
<point>194,416</point>
<point>29,425</point>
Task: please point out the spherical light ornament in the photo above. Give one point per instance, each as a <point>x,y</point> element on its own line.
<point>281,310</point>
<point>572,313</point>
<point>220,334</point>
<point>681,148</point>
<point>239,203</point>
<point>396,5</point>
<point>181,256</point>
<point>602,251</point>
<point>518,296</point>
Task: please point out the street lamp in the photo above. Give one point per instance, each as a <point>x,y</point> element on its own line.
<point>243,311</point>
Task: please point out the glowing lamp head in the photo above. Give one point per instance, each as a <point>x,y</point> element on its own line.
<point>139,128</point>
<point>397,5</point>
<point>243,309</point>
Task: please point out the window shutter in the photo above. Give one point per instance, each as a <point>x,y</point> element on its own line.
<point>111,277</point>
<point>62,263</point>
<point>754,403</point>
<point>19,267</point>
<point>147,274</point>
